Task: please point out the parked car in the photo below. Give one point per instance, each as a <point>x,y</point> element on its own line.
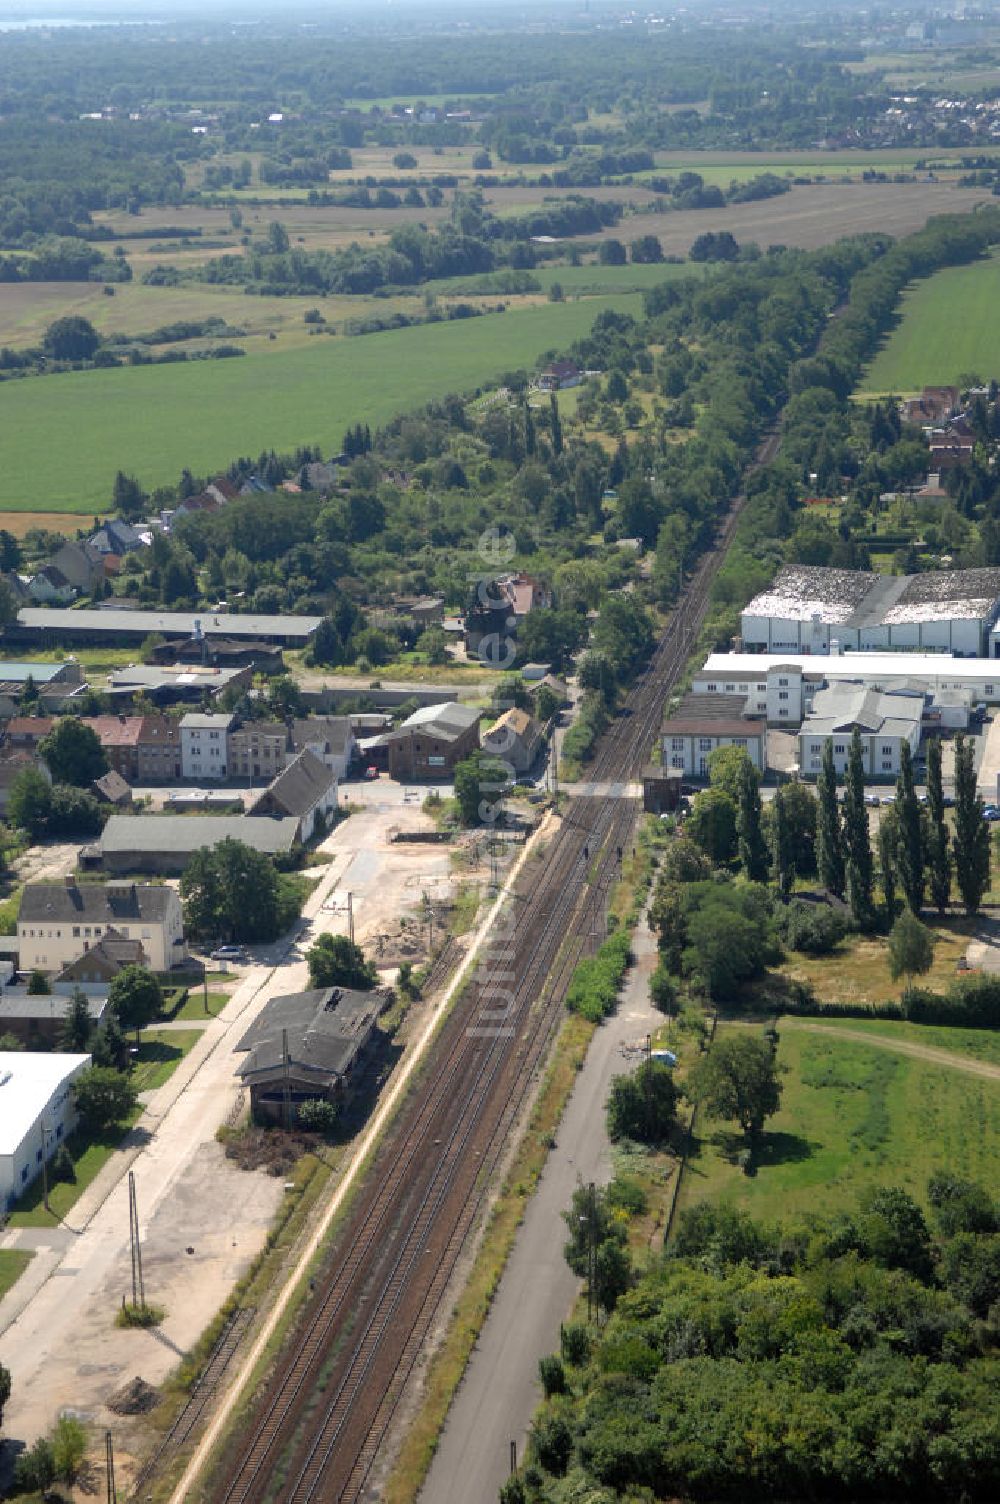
<point>888,798</point>
<point>871,799</point>
<point>371,773</point>
<point>228,953</point>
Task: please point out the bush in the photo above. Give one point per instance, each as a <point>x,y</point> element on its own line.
<point>643,1106</point>
<point>317,1116</point>
<point>552,1375</point>
<point>593,991</point>
<point>574,1343</point>
<point>627,1195</point>
<point>35,1470</point>
<point>813,928</point>
<point>971,1003</point>
<point>69,1447</point>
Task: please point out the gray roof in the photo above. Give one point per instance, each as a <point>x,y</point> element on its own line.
<point>712,715</point>
<point>108,903</point>
<point>844,706</point>
<point>20,671</point>
<point>325,1029</point>
<point>197,720</point>
<point>448,722</point>
<point>300,786</point>
<point>172,676</point>
<point>18,1002</point>
<point>143,623</point>
<point>183,833</point>
<point>334,731</point>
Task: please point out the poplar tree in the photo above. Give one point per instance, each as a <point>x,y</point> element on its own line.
<point>938,855</point>
<point>782,847</point>
<point>752,848</point>
<point>910,856</point>
<point>972,834</point>
<point>887,848</point>
<point>829,838</point>
<point>555,425</point>
<point>857,839</point>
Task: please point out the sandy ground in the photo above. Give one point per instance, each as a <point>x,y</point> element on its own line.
<point>47,863</point>
<point>56,1326</point>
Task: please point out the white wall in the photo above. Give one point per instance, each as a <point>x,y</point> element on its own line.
<point>203,754</point>
<point>51,945</point>
<point>880,754</point>
<point>690,754</point>
<point>20,1168</point>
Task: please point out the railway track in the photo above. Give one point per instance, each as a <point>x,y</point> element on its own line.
<point>318,1427</point>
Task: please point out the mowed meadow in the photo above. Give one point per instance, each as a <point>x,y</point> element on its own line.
<point>64,437</point>
<point>949,327</point>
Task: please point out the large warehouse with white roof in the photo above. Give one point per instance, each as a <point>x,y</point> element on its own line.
<point>808,609</point>
<point>36,1114</point>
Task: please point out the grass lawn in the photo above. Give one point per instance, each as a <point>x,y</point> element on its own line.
<point>13,1262</point>
<point>858,970</point>
<point>950,327</point>
<point>65,436</point>
<point>978,1044</point>
<point>160,1053</point>
<point>90,1155</point>
<point>193,1009</point>
<point>852,1116</point>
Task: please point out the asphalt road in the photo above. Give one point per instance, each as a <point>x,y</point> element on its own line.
<point>500,1390</point>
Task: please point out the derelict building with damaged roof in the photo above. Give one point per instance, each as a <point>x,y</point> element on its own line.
<point>808,609</point>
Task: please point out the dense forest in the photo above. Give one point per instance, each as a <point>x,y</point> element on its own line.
<point>845,1359</point>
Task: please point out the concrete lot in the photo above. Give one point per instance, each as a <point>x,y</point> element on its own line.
<point>56,1326</point>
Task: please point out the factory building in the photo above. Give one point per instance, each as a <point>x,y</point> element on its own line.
<point>812,610</point>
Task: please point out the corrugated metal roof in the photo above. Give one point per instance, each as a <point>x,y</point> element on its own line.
<point>144,623</point>
<point>182,833</point>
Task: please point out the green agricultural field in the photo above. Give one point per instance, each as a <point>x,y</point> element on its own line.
<point>950,327</point>
<point>852,1116</point>
<point>65,436</point>
<point>581,281</point>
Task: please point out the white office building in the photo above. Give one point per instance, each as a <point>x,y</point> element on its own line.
<point>36,1114</point>
<point>701,724</point>
<point>781,686</point>
<point>204,746</point>
<point>884,721</point>
<point>812,610</point>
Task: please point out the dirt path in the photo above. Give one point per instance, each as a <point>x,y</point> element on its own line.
<point>926,1052</point>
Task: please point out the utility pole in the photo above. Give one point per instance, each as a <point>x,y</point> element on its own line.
<point>589,1222</point>
<point>286,1090</point>
<point>109,1462</point>
<point>513,1459</point>
<point>350,917</point>
<point>138,1288</point>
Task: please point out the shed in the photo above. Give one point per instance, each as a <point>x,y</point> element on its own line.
<point>307,1046</point>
